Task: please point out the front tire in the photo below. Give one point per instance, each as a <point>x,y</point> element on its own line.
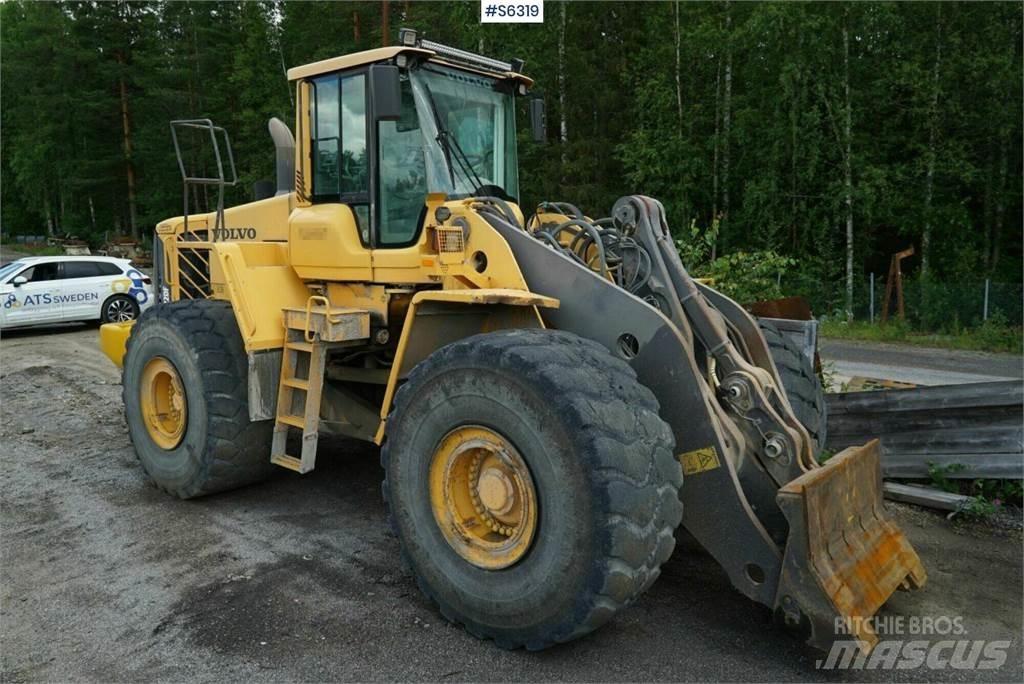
<point>574,427</point>
<point>185,394</point>
<point>802,385</point>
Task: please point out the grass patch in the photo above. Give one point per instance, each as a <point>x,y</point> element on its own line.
<point>993,501</point>
<point>988,497</point>
<point>30,250</point>
<point>992,336</point>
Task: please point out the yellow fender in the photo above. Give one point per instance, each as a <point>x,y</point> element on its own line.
<point>499,309</point>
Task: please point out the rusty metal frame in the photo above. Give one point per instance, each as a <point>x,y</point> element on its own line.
<point>895,282</point>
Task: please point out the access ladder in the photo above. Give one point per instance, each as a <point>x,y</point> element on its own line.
<point>309,334</point>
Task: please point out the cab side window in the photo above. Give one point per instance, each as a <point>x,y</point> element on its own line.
<point>325,138</point>
<point>340,164</point>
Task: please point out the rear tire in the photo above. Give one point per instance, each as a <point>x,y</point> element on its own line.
<point>219,448</point>
<point>601,464</point>
<point>803,387</point>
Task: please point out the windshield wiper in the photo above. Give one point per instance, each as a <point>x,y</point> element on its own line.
<point>463,159</point>
<point>440,139</point>
<point>450,146</point>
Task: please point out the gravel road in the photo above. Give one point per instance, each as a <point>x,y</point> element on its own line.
<point>103,578</point>
<point>918,365</point>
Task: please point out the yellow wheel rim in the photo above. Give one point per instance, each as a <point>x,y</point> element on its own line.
<point>163,403</point>
<point>483,498</point>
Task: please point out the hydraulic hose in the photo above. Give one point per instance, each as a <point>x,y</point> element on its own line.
<point>604,245</point>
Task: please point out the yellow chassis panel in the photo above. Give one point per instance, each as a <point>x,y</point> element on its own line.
<point>259,282</point>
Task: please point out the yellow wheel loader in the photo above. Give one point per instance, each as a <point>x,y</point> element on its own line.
<point>553,394</point>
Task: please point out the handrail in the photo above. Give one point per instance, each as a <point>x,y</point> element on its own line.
<point>219,181</point>
<point>307,333</point>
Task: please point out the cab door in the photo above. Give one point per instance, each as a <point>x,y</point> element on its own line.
<point>400,194</point>
<point>401,175</point>
<point>35,301</point>
<point>329,233</point>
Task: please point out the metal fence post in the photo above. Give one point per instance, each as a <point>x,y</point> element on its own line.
<point>984,310</point>
<point>871,298</point>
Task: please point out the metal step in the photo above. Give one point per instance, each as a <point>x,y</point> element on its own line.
<point>289,462</point>
<point>293,421</point>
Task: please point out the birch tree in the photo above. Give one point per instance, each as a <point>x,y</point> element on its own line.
<point>726,125</point>
<point>563,116</point>
<point>932,152</point>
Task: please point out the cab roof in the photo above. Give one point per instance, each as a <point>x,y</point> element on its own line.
<point>325,66</point>
<point>383,54</point>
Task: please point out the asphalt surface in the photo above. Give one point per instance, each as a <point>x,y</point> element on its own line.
<point>918,365</point>
<point>104,578</point>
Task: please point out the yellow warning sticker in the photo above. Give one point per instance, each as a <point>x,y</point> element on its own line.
<point>699,460</point>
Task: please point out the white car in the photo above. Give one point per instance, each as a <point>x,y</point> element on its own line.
<point>37,290</point>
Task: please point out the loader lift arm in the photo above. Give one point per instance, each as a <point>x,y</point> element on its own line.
<point>810,542</point>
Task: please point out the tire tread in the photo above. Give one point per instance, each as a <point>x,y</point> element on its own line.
<point>803,387</point>
<point>629,448</point>
<point>236,450</point>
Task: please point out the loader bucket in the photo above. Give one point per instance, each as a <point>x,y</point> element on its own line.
<point>843,557</point>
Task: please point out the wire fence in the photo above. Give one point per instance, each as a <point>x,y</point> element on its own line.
<point>929,305</point>
<point>942,306</point>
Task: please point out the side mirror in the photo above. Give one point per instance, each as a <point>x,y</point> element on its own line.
<point>538,120</point>
<point>385,92</point>
<point>19,281</point>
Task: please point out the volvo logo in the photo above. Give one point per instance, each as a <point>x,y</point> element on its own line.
<point>226,234</point>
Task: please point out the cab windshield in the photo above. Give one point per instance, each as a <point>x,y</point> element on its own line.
<point>468,123</point>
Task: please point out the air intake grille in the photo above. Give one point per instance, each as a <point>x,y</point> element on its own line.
<point>450,240</point>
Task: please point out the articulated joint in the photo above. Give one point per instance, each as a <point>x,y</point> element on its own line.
<point>745,397</point>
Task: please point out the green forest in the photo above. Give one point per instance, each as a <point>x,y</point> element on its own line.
<point>795,146</point>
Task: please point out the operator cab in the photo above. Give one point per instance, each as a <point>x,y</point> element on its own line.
<point>380,130</point>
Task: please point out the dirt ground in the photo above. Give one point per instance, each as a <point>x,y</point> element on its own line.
<point>106,579</point>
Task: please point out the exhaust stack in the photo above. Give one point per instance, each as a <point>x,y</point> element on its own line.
<point>284,145</point>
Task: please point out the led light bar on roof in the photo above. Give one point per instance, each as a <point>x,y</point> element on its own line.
<point>467,58</point>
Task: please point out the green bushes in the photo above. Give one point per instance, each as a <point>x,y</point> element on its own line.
<point>744,276</point>
<point>992,336</point>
